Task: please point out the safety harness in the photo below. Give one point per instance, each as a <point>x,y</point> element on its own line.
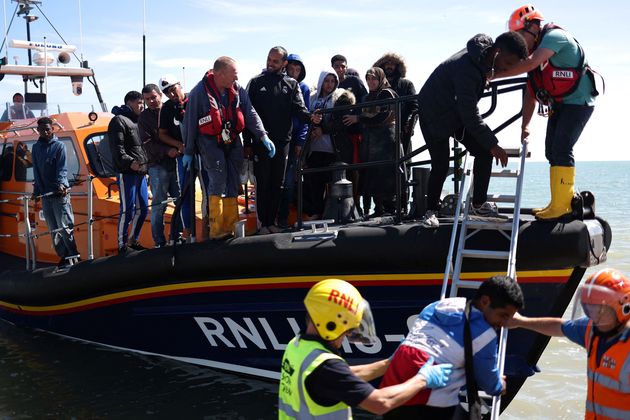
<point>224,123</point>
<point>550,84</point>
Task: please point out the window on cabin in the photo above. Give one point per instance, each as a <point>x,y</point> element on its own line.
<point>24,160</point>
<point>6,162</point>
<point>100,155</point>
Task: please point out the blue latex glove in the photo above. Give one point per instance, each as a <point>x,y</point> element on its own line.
<point>269,145</point>
<point>435,376</point>
<point>187,161</point>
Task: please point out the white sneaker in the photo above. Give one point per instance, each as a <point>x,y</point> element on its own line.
<point>430,220</point>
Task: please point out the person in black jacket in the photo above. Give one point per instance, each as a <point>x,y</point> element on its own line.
<point>448,105</point>
<point>130,161</point>
<point>276,97</point>
<point>395,69</point>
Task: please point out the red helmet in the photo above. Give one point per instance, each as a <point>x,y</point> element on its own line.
<point>608,287</point>
<point>523,15</point>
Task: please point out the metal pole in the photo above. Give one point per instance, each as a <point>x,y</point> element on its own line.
<point>144,43</point>
<point>27,233</point>
<point>90,210</point>
<point>397,164</point>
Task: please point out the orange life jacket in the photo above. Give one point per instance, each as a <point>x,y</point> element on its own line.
<point>549,84</point>
<point>608,393</point>
<point>224,123</point>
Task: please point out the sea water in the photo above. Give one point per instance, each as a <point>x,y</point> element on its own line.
<point>45,376</point>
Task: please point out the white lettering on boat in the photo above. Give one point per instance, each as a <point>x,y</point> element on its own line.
<point>247,332</point>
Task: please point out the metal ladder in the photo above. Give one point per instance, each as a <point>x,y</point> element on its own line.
<point>469,227</point>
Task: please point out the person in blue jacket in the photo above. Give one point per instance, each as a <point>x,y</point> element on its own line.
<point>438,333</point>
<point>51,182</point>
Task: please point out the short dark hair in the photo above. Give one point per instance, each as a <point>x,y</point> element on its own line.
<point>17,94</point>
<point>148,88</point>
<point>44,121</point>
<point>132,95</point>
<point>281,50</point>
<point>338,57</point>
<point>502,291</point>
<point>512,43</point>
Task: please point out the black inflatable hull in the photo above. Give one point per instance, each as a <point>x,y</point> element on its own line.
<point>234,305</point>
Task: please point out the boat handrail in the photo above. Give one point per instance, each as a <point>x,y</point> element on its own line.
<point>495,88</point>
<point>31,235</point>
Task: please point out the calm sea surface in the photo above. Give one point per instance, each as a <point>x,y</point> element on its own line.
<point>45,376</point>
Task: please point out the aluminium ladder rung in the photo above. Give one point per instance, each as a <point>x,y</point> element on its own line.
<point>505,173</point>
<point>486,254</point>
<point>467,284</point>
<point>515,152</point>
<point>502,198</point>
<point>482,224</point>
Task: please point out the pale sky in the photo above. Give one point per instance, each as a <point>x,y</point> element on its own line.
<point>185,37</point>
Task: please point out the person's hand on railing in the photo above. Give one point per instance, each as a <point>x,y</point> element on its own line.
<point>350,119</point>
<point>524,133</point>
<point>500,155</point>
<point>316,117</point>
<point>62,190</point>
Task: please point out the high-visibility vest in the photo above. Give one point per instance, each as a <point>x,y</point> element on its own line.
<point>608,393</point>
<point>301,358</point>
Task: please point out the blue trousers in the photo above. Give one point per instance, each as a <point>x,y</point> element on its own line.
<point>58,214</point>
<point>163,183</point>
<point>134,205</point>
<point>564,128</point>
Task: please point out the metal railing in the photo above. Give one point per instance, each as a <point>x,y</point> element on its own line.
<point>496,88</point>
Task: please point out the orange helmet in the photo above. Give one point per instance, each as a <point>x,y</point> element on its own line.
<point>522,16</point>
<point>608,287</point>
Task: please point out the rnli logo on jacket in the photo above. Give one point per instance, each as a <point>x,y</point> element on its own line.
<point>562,74</point>
<point>205,120</point>
<point>285,378</point>
<point>342,299</point>
<point>609,363</point>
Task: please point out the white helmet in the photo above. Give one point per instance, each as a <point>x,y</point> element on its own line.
<point>167,81</point>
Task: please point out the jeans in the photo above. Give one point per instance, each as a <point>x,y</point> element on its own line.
<point>58,214</point>
<point>564,128</point>
<point>163,184</point>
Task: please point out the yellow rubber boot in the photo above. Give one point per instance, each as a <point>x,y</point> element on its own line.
<point>561,193</point>
<point>230,214</point>
<point>215,218</point>
<point>552,170</point>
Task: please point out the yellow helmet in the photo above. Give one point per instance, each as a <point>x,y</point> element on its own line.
<point>335,307</point>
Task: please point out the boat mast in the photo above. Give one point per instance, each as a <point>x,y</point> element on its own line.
<point>24,8</point>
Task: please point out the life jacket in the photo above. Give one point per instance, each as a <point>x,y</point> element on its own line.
<point>300,359</point>
<point>224,123</point>
<point>550,84</point>
<point>608,392</point>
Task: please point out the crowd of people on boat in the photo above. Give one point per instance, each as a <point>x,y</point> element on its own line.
<point>221,128</point>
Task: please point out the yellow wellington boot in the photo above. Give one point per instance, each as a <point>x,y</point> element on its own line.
<point>552,170</point>
<point>215,217</point>
<point>230,214</point>
<point>561,193</point>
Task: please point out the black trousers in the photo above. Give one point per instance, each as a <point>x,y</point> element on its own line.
<point>317,181</point>
<point>269,174</point>
<point>439,149</point>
